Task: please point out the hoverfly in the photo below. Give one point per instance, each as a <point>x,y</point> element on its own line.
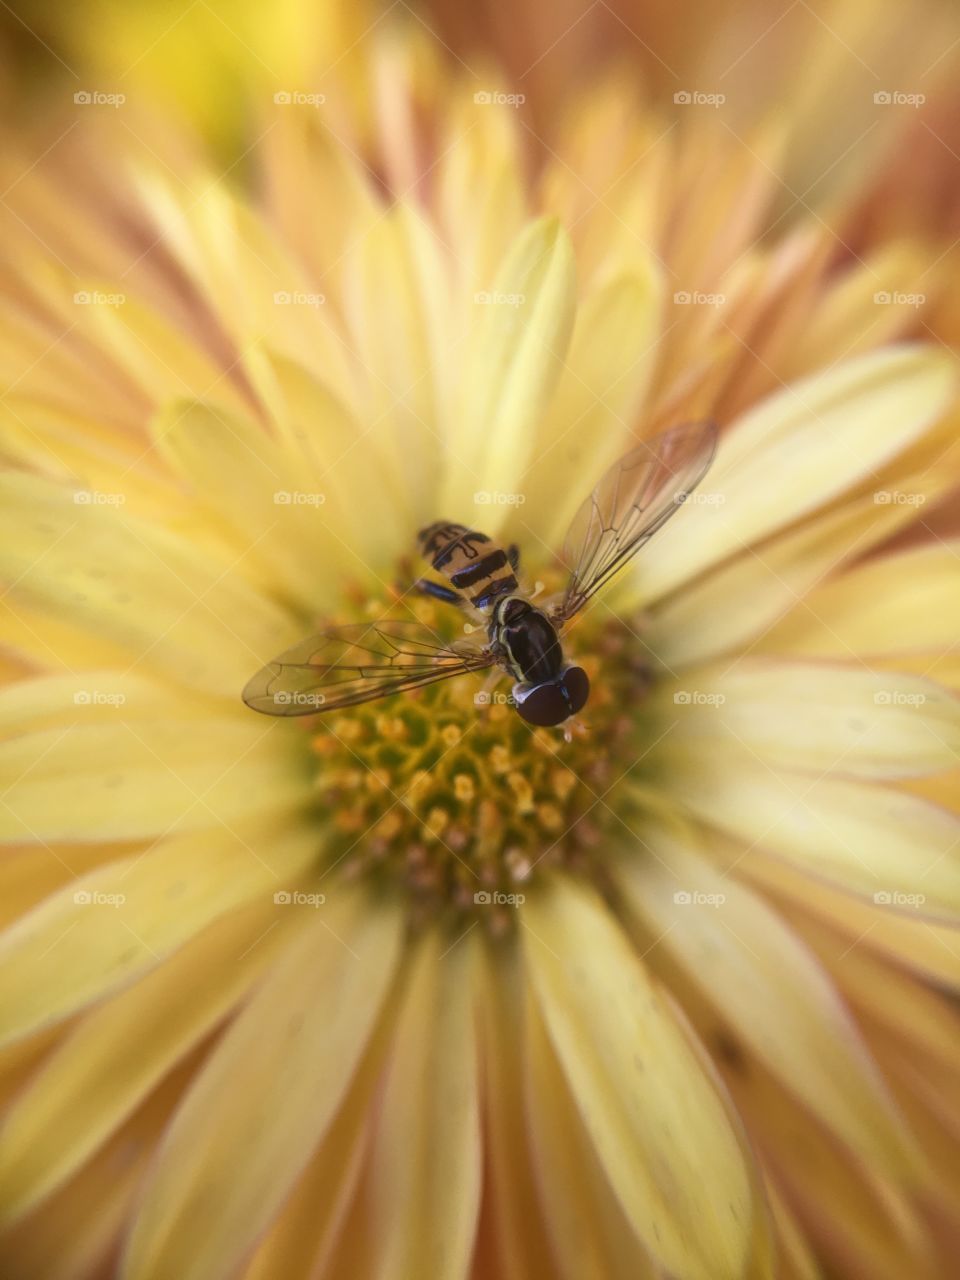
<point>343,666</point>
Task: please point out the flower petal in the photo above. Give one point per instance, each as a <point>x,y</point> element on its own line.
<point>873,840</point>
<point>768,987</point>
<point>904,603</point>
<point>741,599</point>
<point>815,716</point>
<point>125,780</point>
<point>106,928</point>
<point>425,1160</point>
<point>800,449</point>
<point>120,1051</point>
<point>589,423</point>
<point>154,592</point>
<point>592,1237</point>
<point>653,1115</point>
<point>511,365</point>
<point>516,1231</point>
<point>921,946</point>
<point>266,1097</point>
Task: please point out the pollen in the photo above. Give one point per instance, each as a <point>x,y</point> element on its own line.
<point>454,801</point>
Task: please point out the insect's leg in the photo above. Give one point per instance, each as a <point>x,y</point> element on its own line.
<point>438,591</point>
<point>513,555</point>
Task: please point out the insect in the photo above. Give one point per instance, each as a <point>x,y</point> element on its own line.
<point>343,666</point>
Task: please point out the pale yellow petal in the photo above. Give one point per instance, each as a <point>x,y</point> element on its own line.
<point>767,986</point>
<point>266,1097</point>
<point>872,840</point>
<point>121,1050</point>
<point>741,599</point>
<point>799,450</point>
<point>125,779</point>
<point>518,335</point>
<point>905,603</point>
<point>516,1225</point>
<point>108,927</point>
<point>813,716</point>
<point>425,1173</point>
<point>591,420</point>
<point>154,592</point>
<point>592,1238</point>
<point>658,1126</point>
<point>921,946</point>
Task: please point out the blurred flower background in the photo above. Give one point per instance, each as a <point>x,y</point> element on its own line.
<point>422,992</point>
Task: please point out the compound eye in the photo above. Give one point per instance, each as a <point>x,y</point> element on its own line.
<point>541,704</point>
<point>577,684</point>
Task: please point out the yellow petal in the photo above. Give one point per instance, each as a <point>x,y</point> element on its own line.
<point>872,840</point>
<point>266,1097</point>
<point>814,716</point>
<point>740,600</point>
<point>120,1051</point>
<point>124,780</point>
<point>515,1230</point>
<point>929,949</point>
<point>108,927</point>
<point>167,603</point>
<point>398,317</point>
<point>273,508</point>
<point>590,421</point>
<point>592,1237</point>
<point>519,332</point>
<point>767,986</point>
<point>904,603</point>
<point>425,1174</point>
<point>654,1118</point>
<point>800,449</point>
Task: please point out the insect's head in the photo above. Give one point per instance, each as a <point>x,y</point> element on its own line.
<point>553,701</point>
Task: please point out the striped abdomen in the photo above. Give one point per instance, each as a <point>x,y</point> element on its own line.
<point>472,564</point>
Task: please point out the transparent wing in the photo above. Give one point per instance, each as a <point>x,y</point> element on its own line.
<point>634,499</point>
<point>357,663</point>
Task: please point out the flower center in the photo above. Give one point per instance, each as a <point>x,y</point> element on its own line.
<point>447,794</point>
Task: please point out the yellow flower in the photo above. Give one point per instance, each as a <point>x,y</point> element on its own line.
<point>416,991</point>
